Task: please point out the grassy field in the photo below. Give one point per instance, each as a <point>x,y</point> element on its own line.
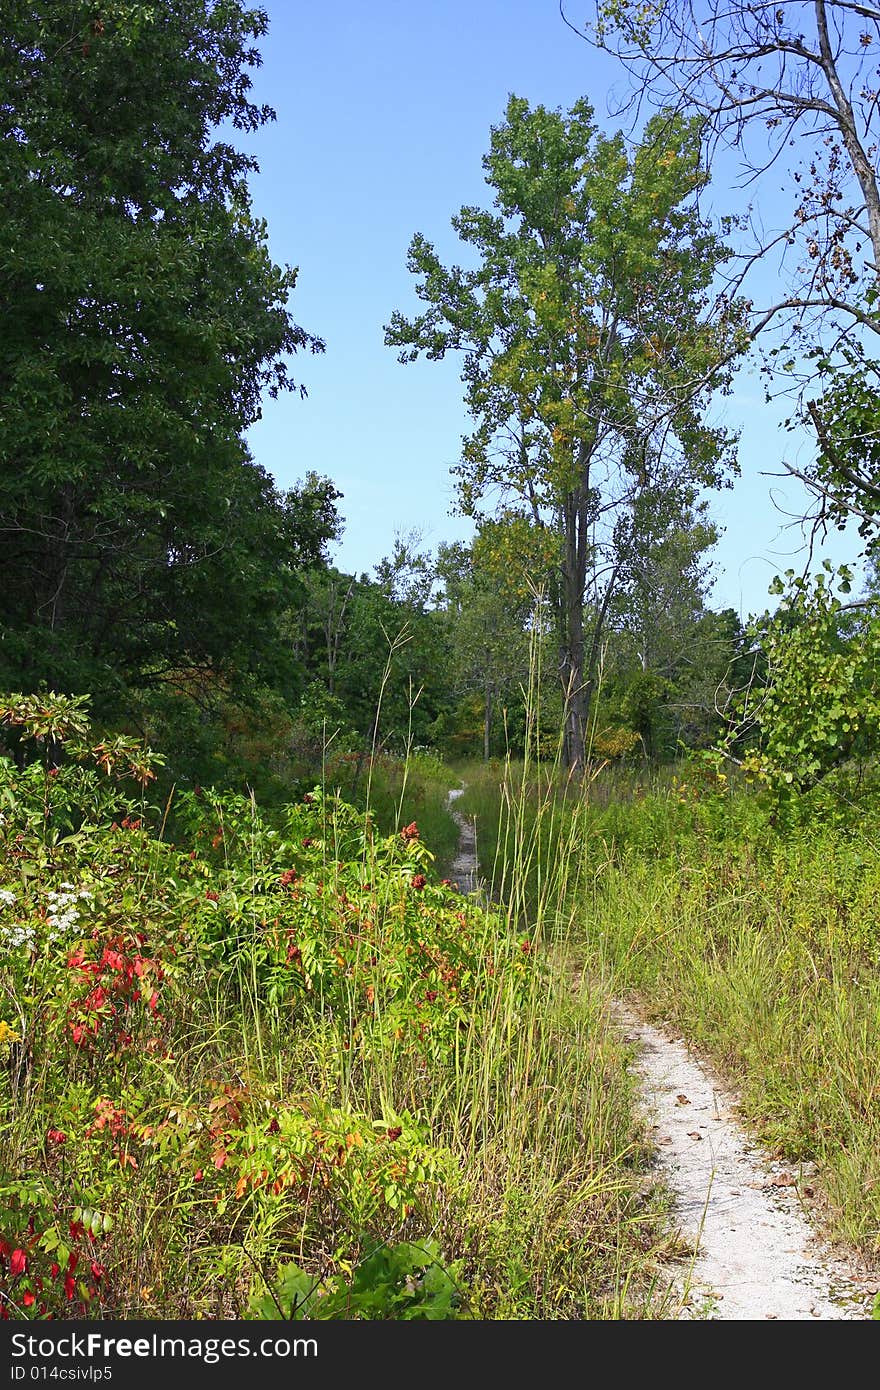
<point>760,942</point>
<point>256,1065</point>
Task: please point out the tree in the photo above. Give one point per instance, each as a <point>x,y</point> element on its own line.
<point>591,344</point>
<point>143,319</point>
<point>816,708</point>
<point>665,660</point>
<point>791,87</point>
<point>374,651</point>
<point>494,600</point>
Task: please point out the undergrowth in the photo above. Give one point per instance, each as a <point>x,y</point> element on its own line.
<point>258,1065</point>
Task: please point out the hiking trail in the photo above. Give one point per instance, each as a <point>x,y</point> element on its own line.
<point>757,1255</point>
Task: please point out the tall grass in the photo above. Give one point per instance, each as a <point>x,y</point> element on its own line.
<point>340,1053</point>
<point>760,943</point>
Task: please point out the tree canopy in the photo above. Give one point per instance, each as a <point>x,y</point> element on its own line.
<point>143,321</point>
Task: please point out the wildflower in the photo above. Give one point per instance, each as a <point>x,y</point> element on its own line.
<point>18,936</point>
<point>56,1136</point>
<point>419,881</point>
<point>288,877</point>
<point>410,832</point>
<point>212,896</point>
<point>394,1133</point>
<point>307,842</point>
<point>7,1034</point>
<point>7,897</point>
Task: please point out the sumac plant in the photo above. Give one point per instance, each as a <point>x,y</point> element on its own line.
<point>224,1036</point>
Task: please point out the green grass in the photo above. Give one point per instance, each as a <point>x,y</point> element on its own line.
<point>760,943</point>
<point>399,791</point>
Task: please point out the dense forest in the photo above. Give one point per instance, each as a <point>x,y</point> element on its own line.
<point>262,1059</point>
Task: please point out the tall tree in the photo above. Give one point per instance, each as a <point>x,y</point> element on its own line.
<point>143,319</point>
<point>591,344</point>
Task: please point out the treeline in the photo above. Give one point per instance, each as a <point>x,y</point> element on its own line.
<point>147,559</point>
<point>459,651</point>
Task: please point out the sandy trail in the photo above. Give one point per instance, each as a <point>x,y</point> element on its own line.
<point>757,1256</point>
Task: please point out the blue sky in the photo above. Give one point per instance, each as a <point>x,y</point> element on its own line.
<point>383,116</point>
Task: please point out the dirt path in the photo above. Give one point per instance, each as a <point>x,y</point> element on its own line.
<point>757,1256</point>
<point>464,869</point>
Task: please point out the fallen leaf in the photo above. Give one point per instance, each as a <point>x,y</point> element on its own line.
<point>783,1180</point>
<point>695,1134</point>
<point>682,1100</point>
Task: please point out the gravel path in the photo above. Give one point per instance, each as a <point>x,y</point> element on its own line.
<point>757,1256</point>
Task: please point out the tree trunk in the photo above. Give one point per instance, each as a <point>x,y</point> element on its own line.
<point>574,689</point>
<point>487,722</point>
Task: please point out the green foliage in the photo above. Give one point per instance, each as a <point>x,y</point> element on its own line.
<point>377,654</point>
<point>401,1282</point>
<point>818,707</point>
<point>847,427</point>
<point>145,318</point>
<point>588,355</point>
<point>278,1040</point>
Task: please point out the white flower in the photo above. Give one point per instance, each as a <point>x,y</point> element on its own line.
<point>18,936</point>
<point>7,897</point>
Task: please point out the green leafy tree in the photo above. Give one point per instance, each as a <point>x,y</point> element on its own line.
<point>817,708</point>
<point>664,662</point>
<point>143,320</point>
<point>492,600</point>
<point>375,653</point>
<point>591,342</point>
